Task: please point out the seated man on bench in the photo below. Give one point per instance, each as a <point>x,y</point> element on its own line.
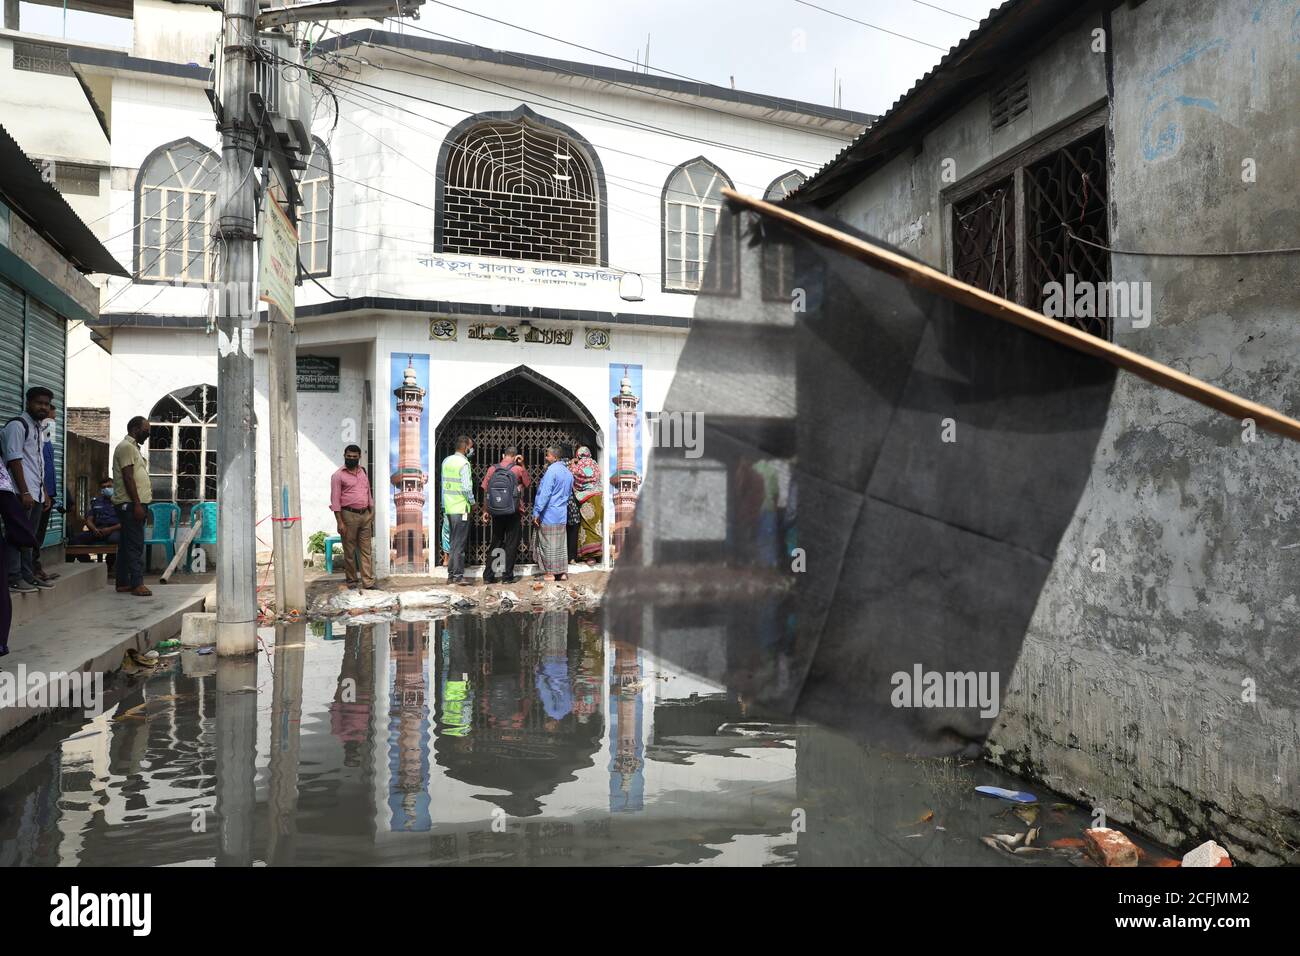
<point>102,524</point>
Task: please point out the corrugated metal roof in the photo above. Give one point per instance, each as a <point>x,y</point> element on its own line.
<point>988,50</point>
<point>31,197</point>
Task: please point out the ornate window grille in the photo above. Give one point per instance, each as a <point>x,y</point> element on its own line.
<point>317,212</point>
<point>182,446</point>
<point>1012,225</point>
<point>175,212</point>
<point>41,58</point>
<point>692,207</point>
<point>1068,188</point>
<point>519,191</point>
<point>984,239</point>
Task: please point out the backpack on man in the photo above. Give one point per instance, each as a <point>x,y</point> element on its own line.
<point>502,492</point>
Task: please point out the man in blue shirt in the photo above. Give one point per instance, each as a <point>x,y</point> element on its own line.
<point>102,523</point>
<point>551,516</point>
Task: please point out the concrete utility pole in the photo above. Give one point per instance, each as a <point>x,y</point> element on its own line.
<point>290,589</point>
<point>236,431</point>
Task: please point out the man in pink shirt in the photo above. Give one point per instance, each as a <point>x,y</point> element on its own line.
<point>353,505</point>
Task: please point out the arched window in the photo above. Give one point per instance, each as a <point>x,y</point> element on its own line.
<point>183,446</point>
<point>692,207</point>
<point>317,211</point>
<point>784,185</point>
<point>176,193</point>
<point>516,188</point>
<point>778,255</point>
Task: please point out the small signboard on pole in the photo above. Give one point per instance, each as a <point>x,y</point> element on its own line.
<point>279,260</point>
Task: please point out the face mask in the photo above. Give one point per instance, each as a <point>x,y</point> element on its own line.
<point>469,453</point>
<point>106,491</point>
<point>351,463</point>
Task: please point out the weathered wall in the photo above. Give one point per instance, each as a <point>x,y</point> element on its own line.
<point>1129,690</point>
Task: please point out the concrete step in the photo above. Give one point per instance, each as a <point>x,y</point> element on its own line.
<point>87,635</point>
<point>75,581</point>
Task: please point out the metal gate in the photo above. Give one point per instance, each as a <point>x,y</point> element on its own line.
<point>517,412</point>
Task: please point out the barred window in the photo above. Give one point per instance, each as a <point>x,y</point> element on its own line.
<point>518,190</point>
<point>692,205</point>
<point>315,219</point>
<point>183,447</point>
<point>175,212</point>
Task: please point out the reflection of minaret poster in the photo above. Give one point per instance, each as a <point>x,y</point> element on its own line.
<point>408,453</point>
<point>625,465</point>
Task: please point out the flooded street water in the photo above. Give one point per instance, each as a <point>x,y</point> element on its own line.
<point>518,739</point>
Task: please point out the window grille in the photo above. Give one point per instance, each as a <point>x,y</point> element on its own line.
<point>516,191</point>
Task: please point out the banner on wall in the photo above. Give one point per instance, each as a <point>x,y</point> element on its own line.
<point>625,466</point>
<point>408,453</point>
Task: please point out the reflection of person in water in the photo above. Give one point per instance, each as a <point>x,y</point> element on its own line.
<point>758,494</point>
<point>553,686</point>
<point>523,735</point>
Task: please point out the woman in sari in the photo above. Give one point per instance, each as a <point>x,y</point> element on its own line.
<point>590,502</point>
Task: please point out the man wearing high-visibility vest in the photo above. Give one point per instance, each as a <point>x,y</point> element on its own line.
<point>457,484</point>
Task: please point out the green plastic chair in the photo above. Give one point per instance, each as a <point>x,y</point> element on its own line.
<point>164,519</point>
<point>208,534</point>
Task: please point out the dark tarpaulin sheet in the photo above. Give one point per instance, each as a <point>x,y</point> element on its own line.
<point>817,535</point>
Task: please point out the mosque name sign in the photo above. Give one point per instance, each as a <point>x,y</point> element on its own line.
<point>495,270</point>
<point>513,333</point>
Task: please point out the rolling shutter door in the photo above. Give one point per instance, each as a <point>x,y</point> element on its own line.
<point>11,351</point>
<point>47,348</point>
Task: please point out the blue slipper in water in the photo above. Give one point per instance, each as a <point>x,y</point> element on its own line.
<point>1019,796</point>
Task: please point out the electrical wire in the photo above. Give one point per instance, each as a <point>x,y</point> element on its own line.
<point>610,149</point>
<point>551,65</point>
<point>892,33</point>
<point>1283,251</point>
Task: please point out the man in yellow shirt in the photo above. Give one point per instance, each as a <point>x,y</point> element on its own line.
<point>132,491</point>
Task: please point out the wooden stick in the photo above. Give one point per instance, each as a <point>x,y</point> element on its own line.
<point>182,546</point>
<point>929,278</point>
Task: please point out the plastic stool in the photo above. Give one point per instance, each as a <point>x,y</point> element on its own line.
<point>329,551</point>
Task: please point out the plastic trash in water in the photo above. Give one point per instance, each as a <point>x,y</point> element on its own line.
<point>207,650</point>
<point>167,645</point>
<point>1019,796</point>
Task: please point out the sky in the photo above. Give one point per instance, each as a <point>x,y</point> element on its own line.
<point>779,47</point>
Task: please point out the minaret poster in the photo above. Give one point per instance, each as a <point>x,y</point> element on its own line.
<point>408,453</point>
<point>625,468</point>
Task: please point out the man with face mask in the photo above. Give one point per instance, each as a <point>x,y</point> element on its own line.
<point>102,523</point>
<point>132,494</point>
<point>457,503</point>
<point>353,504</point>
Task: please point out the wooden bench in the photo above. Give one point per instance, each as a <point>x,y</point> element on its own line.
<point>99,551</point>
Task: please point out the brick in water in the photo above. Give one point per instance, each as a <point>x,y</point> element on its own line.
<point>1110,847</point>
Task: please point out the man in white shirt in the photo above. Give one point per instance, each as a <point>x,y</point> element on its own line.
<point>20,442</point>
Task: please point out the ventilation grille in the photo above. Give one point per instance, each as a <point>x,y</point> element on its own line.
<point>1009,100</point>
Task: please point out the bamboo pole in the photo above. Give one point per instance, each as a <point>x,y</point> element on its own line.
<point>919,274</point>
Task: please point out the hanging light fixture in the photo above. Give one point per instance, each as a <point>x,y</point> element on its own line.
<point>630,287</point>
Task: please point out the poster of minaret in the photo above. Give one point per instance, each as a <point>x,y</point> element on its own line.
<point>408,453</point>
<point>625,467</point>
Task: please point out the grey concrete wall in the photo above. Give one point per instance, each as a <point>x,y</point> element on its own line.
<point>1129,691</point>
